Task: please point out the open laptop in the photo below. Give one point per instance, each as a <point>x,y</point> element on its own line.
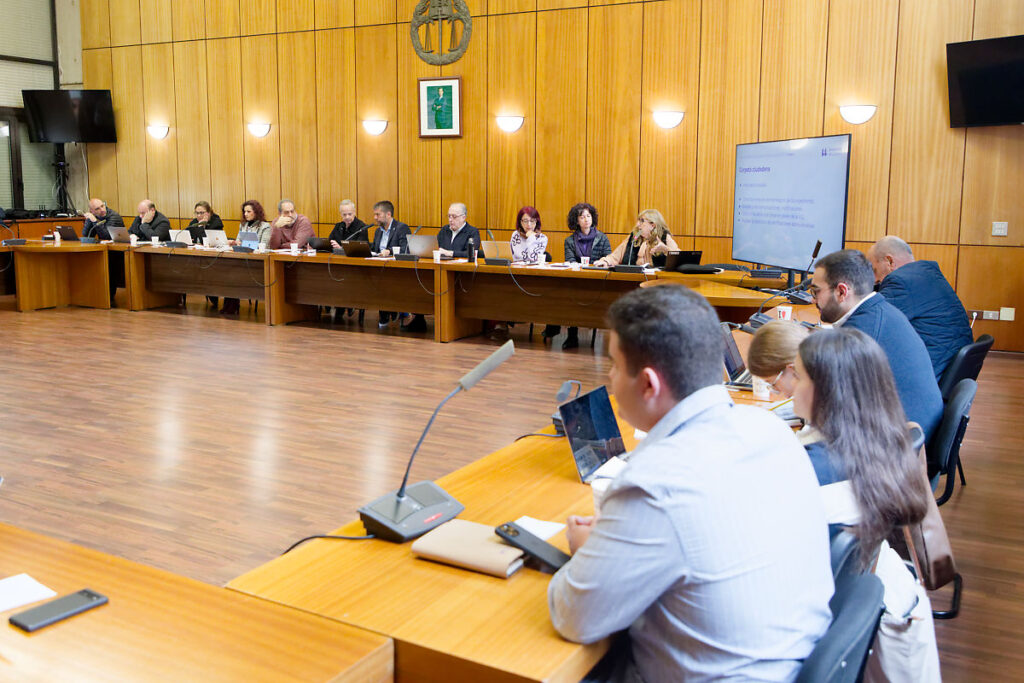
<point>66,233</point>
<point>422,245</point>
<point>247,238</point>
<point>119,233</point>
<point>674,259</point>
<point>181,236</point>
<point>217,238</point>
<point>356,249</point>
<point>592,430</point>
<point>493,249</point>
<point>320,244</point>
<point>735,367</point>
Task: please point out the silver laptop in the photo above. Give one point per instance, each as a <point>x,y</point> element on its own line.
<point>217,238</point>
<point>739,376</point>
<point>247,238</point>
<point>119,234</point>
<point>592,431</point>
<point>181,236</point>
<point>422,245</point>
<point>494,249</point>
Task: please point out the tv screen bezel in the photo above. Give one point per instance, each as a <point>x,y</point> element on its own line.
<point>957,112</point>
<point>38,133</point>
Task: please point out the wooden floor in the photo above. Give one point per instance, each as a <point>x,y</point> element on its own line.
<point>205,445</point>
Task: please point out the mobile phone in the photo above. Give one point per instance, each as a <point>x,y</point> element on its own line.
<point>57,609</point>
<point>543,553</point>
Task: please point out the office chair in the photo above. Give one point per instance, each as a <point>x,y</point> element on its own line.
<point>966,364</point>
<point>944,449</point>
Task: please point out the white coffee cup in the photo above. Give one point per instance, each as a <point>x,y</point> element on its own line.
<point>585,260</point>
<point>599,487</point>
<point>762,391</point>
<point>785,312</point>
<point>133,240</point>
<point>396,250</point>
<point>295,248</point>
<point>437,256</point>
<point>56,238</point>
<point>155,240</point>
<point>206,241</point>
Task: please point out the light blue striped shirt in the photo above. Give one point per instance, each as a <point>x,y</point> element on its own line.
<point>712,548</point>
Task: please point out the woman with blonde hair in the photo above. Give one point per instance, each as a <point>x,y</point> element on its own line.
<point>772,353</point>
<point>647,245</point>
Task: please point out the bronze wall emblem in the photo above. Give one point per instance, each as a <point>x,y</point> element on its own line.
<point>436,14</point>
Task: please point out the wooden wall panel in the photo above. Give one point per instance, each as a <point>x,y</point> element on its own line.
<point>97,73</point>
<point>859,76</point>
<point>512,70</point>
<point>613,116</point>
<point>376,98</point>
<point>193,127</point>
<point>257,17</point>
<point>980,285</point>
<point>668,158</point>
<point>508,6</point>
<point>130,120</point>
<point>95,18</point>
<point>189,19</point>
<point>222,18</point>
<point>297,115</point>
<point>295,15</point>
<point>716,249</point>
<point>336,122</point>
<point>419,159</point>
<point>730,67</point>
<point>371,12</point>
<point>793,68</point>
<point>156,20</point>
<point>560,4</point>
<point>227,127</point>
<point>464,160</point>
<point>260,105</point>
<point>926,172</point>
<point>334,14</point>
<point>124,22</point>
<point>561,113</point>
<point>158,102</point>
<point>993,168</point>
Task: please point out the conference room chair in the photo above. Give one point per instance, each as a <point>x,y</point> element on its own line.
<point>944,449</point>
<point>840,655</point>
<point>966,364</point>
<point>846,565</point>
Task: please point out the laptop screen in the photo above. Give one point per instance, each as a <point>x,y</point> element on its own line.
<point>734,364</point>
<point>592,430</point>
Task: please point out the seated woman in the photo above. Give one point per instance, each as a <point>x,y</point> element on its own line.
<point>585,242</point>
<point>253,220</point>
<point>647,245</point>
<point>772,353</point>
<point>528,242</point>
<point>872,481</point>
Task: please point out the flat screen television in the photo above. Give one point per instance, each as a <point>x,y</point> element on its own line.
<point>789,195</point>
<point>986,82</point>
<point>69,115</point>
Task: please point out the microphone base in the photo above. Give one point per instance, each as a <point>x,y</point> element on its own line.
<point>425,506</point>
<point>759,319</point>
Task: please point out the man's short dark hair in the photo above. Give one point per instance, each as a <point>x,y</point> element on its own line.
<point>674,330</point>
<point>849,266</point>
<point>385,206</point>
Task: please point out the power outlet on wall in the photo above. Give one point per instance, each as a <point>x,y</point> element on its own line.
<point>999,228</point>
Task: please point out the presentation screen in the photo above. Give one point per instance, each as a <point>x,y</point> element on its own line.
<point>69,115</point>
<point>789,195</point>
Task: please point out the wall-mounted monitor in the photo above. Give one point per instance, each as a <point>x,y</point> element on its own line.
<point>69,115</point>
<point>986,82</point>
<point>789,195</point>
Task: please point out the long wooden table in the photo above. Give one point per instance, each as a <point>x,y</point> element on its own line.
<point>160,626</point>
<point>72,274</point>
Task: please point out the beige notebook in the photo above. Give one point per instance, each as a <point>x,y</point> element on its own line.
<point>469,545</point>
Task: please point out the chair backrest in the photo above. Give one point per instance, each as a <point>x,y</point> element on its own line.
<point>966,364</point>
<point>945,443</point>
<point>840,654</point>
<point>845,550</point>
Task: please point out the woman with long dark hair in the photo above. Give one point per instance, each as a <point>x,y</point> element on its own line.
<point>253,220</point>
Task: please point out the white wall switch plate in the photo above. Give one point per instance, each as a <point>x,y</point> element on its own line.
<point>999,228</point>
<point>1007,313</point>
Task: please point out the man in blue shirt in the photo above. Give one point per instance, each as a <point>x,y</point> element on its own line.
<point>922,293</point>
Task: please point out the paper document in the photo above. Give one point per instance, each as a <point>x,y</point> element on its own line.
<point>539,527</point>
<point>21,589</point>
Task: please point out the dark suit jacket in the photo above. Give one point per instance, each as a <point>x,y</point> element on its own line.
<point>922,294</point>
<point>158,227</point>
<point>458,244</point>
<point>357,231</point>
<point>198,232</point>
<point>399,235</point>
<point>908,358</point>
<point>99,228</point>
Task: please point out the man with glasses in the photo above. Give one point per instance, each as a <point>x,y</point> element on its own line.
<point>453,239</point>
<point>843,290</point>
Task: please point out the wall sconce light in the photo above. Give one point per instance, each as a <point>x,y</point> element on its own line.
<point>157,132</point>
<point>857,113</point>
<point>509,124</point>
<point>260,130</point>
<point>375,126</point>
<point>668,119</point>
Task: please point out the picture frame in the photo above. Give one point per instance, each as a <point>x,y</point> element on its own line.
<point>440,107</point>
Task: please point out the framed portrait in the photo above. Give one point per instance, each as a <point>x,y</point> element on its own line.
<point>441,107</point>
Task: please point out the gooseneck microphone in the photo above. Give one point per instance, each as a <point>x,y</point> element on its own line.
<point>794,294</point>
<point>411,511</point>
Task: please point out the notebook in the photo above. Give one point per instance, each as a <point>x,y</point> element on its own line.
<point>471,546</point>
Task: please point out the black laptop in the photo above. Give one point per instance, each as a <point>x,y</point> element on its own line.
<point>356,249</point>
<point>674,259</point>
<point>320,243</point>
<point>66,233</point>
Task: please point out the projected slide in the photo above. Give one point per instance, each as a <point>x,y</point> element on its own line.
<point>789,195</point>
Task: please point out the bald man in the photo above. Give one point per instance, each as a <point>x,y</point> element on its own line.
<point>922,293</point>
<point>150,223</point>
<point>98,217</point>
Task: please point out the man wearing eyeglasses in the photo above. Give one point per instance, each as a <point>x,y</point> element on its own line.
<point>453,239</point>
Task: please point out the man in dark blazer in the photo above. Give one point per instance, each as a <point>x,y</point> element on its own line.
<point>923,294</point>
<point>150,223</point>
<point>98,217</point>
<point>389,233</point>
<point>349,227</point>
<point>453,239</point>
<point>843,290</point>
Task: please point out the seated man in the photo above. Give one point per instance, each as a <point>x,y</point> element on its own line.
<point>922,293</point>
<point>290,226</point>
<point>150,223</point>
<point>349,227</point>
<point>98,217</point>
<point>842,287</point>
<point>453,238</point>
<point>204,218</point>
<point>389,233</point>
<point>711,546</point>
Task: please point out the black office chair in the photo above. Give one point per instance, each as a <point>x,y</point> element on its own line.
<point>944,449</point>
<point>840,655</point>
<point>966,364</point>
<point>846,565</point>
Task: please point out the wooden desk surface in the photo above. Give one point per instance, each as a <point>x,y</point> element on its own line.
<point>459,624</point>
<point>40,247</point>
<point>160,626</point>
<point>728,277</point>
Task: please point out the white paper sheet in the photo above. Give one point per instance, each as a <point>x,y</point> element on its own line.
<point>539,527</point>
<point>21,589</point>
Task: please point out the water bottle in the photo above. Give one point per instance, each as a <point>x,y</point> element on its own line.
<point>470,251</point>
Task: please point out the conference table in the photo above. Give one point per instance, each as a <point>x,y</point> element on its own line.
<point>161,626</point>
<point>70,274</point>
